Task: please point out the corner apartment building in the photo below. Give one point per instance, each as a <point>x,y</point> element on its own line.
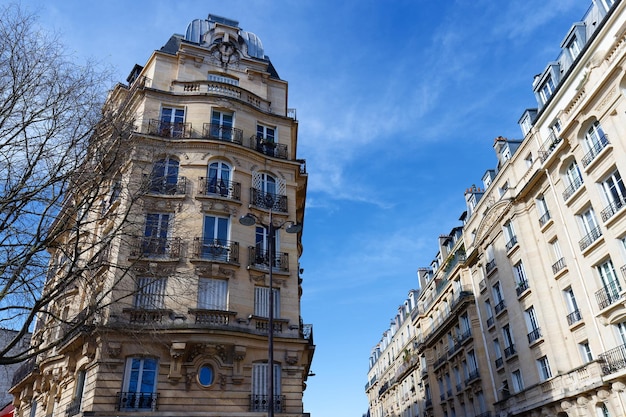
<point>545,246</point>
<point>185,301</point>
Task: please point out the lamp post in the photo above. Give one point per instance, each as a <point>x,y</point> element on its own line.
<point>250,220</point>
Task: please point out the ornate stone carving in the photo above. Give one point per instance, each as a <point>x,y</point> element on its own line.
<point>114,349</point>
<point>239,353</point>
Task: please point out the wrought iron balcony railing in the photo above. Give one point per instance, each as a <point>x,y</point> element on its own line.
<point>165,186</point>
<point>155,247</point>
<point>534,335</point>
<point>490,321</point>
<point>571,189</point>
<point>491,265</point>
<point>595,150</point>
<point>73,408</point>
<point>137,401</point>
<point>613,360</point>
<point>574,317</point>
<point>268,201</point>
<point>548,146</point>
<point>501,306</point>
<point>213,187</point>
<point>216,250</point>
<point>591,237</point>
<point>261,403</point>
<point>509,351</point>
<point>521,287</point>
<point>511,243</point>
<point>558,265</point>
<point>168,129</point>
<point>612,208</point>
<point>499,362</point>
<point>268,147</point>
<point>545,218</point>
<point>260,258</point>
<point>216,131</point>
<point>608,295</point>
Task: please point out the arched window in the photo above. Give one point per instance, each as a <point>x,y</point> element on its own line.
<point>164,177</point>
<point>219,182</point>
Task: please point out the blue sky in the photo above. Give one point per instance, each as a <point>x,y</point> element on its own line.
<point>398,104</point>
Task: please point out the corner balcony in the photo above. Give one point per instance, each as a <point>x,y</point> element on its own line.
<point>259,258</point>
<point>212,187</point>
<point>268,147</point>
<point>595,150</point>
<point>265,200</point>
<point>155,248</point>
<point>591,237</point>
<point>169,130</point>
<point>222,133</point>
<point>612,208</point>
<point>216,250</point>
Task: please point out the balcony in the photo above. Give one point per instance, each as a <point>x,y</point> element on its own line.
<point>534,335</point>
<point>222,133</point>
<point>545,218</point>
<point>268,201</point>
<point>165,185</point>
<point>155,247</point>
<point>591,237</point>
<point>259,258</point>
<point>490,321</point>
<point>509,351</point>
<point>558,265</point>
<point>218,88</point>
<point>608,295</point>
<point>73,408</point>
<point>440,361</point>
<point>574,317</point>
<point>500,307</point>
<point>491,265</point>
<point>521,287</point>
<point>168,129</point>
<point>595,150</point>
<point>142,315</point>
<point>612,208</point>
<point>613,360</point>
<point>548,146</point>
<point>571,189</point>
<point>511,243</point>
<point>137,401</point>
<point>473,375</point>
<point>216,250</point>
<point>268,147</point>
<point>212,317</point>
<point>499,362</point>
<point>211,187</point>
<point>261,403</point>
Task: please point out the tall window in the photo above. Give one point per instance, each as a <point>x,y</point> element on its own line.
<point>573,179</point>
<point>532,324</point>
<point>150,293</point>
<point>544,368</point>
<point>489,313</point>
<point>590,229</point>
<point>542,208</point>
<point>614,193</point>
<point>595,139</point>
<point>260,387</point>
<point>155,234</point>
<point>610,282</point>
<point>219,179</point>
<point>574,315</point>
<point>574,48</point>
<point>518,381</point>
<point>212,294</point>
<point>222,125</point>
<point>164,177</point>
<point>172,122</point>
<point>215,238</point>
<point>585,352</point>
<point>262,248</point>
<point>559,261</point>
<point>509,345</point>
<point>262,301</point>
<point>520,275</point>
<point>498,352</point>
<point>139,386</point>
<point>509,235</point>
<point>498,298</point>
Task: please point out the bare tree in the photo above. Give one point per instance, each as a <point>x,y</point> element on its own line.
<point>60,155</point>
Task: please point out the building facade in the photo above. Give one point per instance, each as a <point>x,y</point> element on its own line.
<point>544,243</point>
<point>178,296</point>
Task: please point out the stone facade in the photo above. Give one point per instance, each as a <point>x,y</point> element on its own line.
<point>185,288</point>
<point>541,282</point>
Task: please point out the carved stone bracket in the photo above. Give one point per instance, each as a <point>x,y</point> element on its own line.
<point>177,350</point>
<point>291,357</point>
<point>217,206</point>
<point>211,270</point>
<point>114,349</point>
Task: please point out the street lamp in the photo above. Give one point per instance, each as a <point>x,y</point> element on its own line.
<point>290,227</point>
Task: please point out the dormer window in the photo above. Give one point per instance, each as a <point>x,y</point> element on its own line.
<point>574,48</point>
<point>547,90</point>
